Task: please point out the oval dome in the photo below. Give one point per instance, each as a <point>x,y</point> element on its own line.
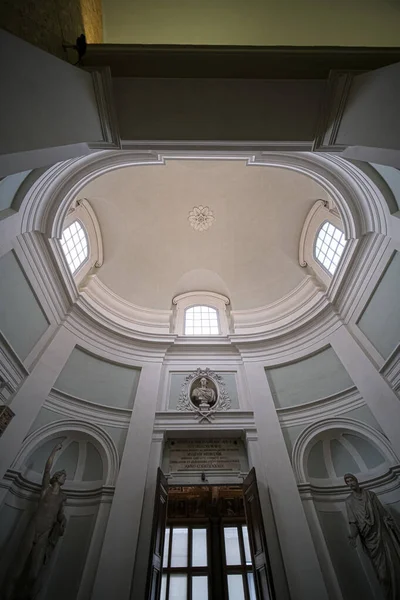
<point>249,247</point>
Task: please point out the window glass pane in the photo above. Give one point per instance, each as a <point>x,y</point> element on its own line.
<point>199,548</point>
<point>232,551</point>
<point>177,587</point>
<point>246,545</point>
<point>166,547</point>
<point>235,587</point>
<point>252,589</point>
<point>329,246</point>
<point>163,587</point>
<point>74,245</point>
<point>201,320</point>
<point>200,587</point>
<point>179,550</point>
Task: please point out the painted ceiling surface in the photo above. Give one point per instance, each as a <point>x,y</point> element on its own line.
<point>250,253</point>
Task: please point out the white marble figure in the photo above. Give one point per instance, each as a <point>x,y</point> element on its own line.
<point>47,524</point>
<point>378,533</point>
<point>204,395</point>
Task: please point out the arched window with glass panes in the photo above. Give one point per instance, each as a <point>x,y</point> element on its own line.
<point>74,243</point>
<point>329,246</point>
<point>201,320</point>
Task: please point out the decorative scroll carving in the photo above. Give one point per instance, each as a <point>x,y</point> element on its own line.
<point>6,414</point>
<point>203,392</point>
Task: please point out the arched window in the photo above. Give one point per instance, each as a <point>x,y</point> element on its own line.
<point>74,243</point>
<point>201,320</point>
<point>329,246</point>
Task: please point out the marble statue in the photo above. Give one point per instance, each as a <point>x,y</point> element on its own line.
<point>47,524</point>
<point>378,533</point>
<point>204,395</point>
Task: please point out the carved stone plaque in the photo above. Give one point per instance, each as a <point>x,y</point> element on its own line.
<point>6,414</point>
<point>205,455</point>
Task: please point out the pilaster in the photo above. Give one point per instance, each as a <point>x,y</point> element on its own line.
<point>303,570</point>
<point>29,398</point>
<point>373,387</point>
<point>117,559</point>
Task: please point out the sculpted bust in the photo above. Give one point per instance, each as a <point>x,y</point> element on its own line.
<point>203,395</point>
<point>45,527</point>
<point>378,533</point>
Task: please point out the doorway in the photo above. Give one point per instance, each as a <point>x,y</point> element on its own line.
<point>208,543</point>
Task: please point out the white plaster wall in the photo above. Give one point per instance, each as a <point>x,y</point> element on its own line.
<point>22,320</point>
<point>8,188</point>
<point>373,99</point>
<point>97,380</point>
<point>48,101</point>
<point>380,321</point>
<point>308,379</point>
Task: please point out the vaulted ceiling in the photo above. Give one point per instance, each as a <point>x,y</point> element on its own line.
<point>249,253</point>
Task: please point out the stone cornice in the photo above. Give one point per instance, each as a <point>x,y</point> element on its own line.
<point>187,422</point>
<point>12,369</point>
<point>127,316</point>
<point>78,408</point>
<point>391,369</point>
<point>380,484</point>
<point>77,495</point>
<point>331,406</point>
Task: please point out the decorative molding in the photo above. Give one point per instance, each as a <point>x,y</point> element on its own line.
<point>101,438</point>
<point>360,203</point>
<point>78,408</point>
<point>182,302</point>
<point>205,411</point>
<point>314,210</point>
<point>234,420</point>
<point>128,316</point>
<point>337,93</point>
<point>246,62</point>
<point>193,297</point>
<point>201,218</point>
<point>391,369</point>
<point>381,483</point>
<point>6,414</point>
<point>324,408</point>
<point>102,84</point>
<point>12,369</point>
<point>77,495</point>
<point>280,316</point>
<point>304,440</point>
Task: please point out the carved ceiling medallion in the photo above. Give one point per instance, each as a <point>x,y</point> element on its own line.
<point>203,393</point>
<point>201,218</point>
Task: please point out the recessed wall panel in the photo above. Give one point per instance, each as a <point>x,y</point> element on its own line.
<point>92,378</point>
<point>22,320</point>
<point>309,379</point>
<point>380,321</point>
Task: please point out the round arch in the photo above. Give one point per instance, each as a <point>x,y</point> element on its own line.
<point>304,441</point>
<point>102,440</point>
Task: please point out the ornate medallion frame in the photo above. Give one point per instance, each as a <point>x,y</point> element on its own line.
<point>222,402</point>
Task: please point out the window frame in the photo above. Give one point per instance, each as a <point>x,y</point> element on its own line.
<point>243,569</point>
<point>81,210</point>
<point>201,306</point>
<point>329,222</point>
<point>87,257</point>
<point>320,212</point>
<point>189,570</point>
<point>212,300</point>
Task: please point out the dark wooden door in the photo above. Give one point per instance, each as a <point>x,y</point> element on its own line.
<point>157,538</point>
<point>258,543</point>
